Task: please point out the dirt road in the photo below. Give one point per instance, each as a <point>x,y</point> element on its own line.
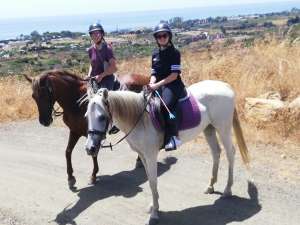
<point>34,190</point>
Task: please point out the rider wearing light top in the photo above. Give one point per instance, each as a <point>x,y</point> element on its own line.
<point>165,77</point>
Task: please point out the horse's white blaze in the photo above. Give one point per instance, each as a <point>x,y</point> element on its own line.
<point>217,106</point>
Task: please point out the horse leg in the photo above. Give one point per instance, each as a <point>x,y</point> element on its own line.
<point>210,135</point>
<point>95,171</point>
<point>151,169</point>
<point>73,138</point>
<point>225,135</point>
<point>138,163</point>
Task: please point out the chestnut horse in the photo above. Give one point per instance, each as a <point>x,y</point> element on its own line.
<point>66,88</point>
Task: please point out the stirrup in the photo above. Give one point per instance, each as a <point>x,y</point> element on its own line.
<point>173,147</point>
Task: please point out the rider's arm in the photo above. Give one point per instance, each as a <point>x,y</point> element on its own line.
<point>173,76</point>
<point>111,69</point>
<point>112,65</point>
<point>90,71</point>
<point>153,72</point>
<point>175,70</point>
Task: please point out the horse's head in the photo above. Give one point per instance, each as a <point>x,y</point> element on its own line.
<point>44,98</point>
<point>98,118</point>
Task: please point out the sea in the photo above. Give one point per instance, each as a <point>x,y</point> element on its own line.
<point>13,28</point>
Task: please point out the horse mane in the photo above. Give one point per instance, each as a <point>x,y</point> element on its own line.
<point>126,104</point>
<point>64,74</point>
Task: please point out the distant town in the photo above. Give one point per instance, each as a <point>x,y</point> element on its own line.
<point>34,49</point>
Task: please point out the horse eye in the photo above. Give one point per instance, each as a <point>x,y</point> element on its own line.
<point>101,118</point>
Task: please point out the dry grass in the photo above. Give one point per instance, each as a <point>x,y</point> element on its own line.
<point>251,71</point>
<point>16,102</point>
<point>268,66</point>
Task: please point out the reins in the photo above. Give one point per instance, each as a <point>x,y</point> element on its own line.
<point>110,145</point>
<point>57,113</point>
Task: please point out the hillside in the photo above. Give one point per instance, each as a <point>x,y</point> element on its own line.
<point>267,66</point>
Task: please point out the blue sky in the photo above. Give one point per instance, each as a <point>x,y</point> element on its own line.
<point>37,8</point>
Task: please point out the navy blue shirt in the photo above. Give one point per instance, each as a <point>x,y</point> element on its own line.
<point>165,62</point>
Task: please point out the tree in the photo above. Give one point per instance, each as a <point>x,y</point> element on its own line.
<point>35,36</point>
<point>66,33</point>
<point>176,22</point>
<point>223,30</point>
<point>268,24</point>
<point>293,20</point>
<point>37,40</point>
<point>295,10</point>
<point>163,21</point>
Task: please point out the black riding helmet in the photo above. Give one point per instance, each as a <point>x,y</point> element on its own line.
<point>95,27</point>
<point>162,27</point>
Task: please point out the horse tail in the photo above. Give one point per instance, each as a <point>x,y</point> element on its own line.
<point>240,139</point>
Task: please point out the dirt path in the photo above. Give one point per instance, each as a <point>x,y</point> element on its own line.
<point>33,184</point>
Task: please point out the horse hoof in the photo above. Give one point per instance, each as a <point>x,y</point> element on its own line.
<point>150,209</point>
<point>227,194</point>
<point>138,164</point>
<point>210,190</point>
<point>93,181</point>
<point>152,221</point>
<point>88,152</point>
<point>71,182</point>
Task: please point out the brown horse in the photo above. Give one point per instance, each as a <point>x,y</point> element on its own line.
<point>66,88</point>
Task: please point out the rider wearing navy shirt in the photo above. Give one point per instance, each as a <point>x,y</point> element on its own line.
<point>167,61</point>
<point>165,77</point>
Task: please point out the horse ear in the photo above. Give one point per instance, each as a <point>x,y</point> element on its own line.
<point>28,78</point>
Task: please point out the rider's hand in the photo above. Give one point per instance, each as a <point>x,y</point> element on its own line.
<point>99,77</point>
<point>153,87</point>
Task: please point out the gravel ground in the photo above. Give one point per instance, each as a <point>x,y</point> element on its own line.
<point>33,184</point>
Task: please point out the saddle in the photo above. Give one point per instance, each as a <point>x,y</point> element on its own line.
<point>188,114</point>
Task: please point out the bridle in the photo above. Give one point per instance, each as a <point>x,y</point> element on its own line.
<point>49,90</point>
<point>147,96</point>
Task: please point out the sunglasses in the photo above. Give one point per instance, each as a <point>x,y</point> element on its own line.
<point>159,36</point>
<point>95,34</point>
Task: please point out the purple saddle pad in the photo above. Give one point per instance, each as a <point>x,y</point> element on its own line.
<point>189,111</point>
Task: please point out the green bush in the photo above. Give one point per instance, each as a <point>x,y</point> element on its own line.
<point>294,32</point>
<point>248,42</point>
<point>228,42</point>
<point>52,62</point>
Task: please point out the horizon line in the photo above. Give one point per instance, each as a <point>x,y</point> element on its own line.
<point>151,10</point>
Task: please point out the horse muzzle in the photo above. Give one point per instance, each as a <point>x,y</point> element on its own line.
<point>93,143</point>
<point>92,151</point>
<point>46,122</point>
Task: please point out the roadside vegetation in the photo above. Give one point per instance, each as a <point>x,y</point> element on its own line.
<point>255,55</point>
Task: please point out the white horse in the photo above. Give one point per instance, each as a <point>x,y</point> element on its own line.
<point>123,108</point>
